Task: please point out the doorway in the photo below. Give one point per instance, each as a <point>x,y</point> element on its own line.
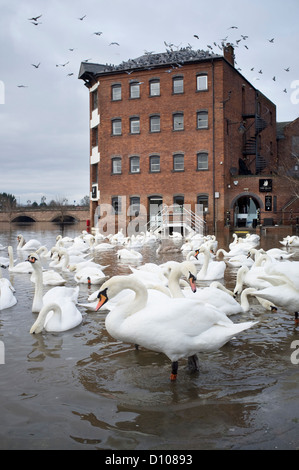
<point>155,204</point>
<point>245,212</point>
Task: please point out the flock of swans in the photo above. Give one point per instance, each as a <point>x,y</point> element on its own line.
<point>157,306</point>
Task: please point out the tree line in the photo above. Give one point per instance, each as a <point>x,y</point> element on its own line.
<point>8,202</point>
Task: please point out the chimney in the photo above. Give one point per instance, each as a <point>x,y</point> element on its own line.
<point>229,54</point>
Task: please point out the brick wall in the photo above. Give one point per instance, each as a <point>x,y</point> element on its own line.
<point>228,99</point>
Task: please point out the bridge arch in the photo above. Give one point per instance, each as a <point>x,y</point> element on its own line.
<point>23,219</point>
<point>64,219</point>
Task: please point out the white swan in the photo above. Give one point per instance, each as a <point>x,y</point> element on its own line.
<point>31,245</point>
<point>50,278</point>
<point>290,240</point>
<point>289,270</point>
<point>7,297</point>
<point>280,293</point>
<point>240,260</point>
<point>165,280</point>
<point>90,275</point>
<point>132,255</point>
<point>268,305</point>
<point>179,328</point>
<point>277,253</point>
<point>210,269</point>
<point>54,317</point>
<point>22,267</point>
<point>251,276</point>
<point>58,294</point>
<point>218,296</point>
<point>65,260</point>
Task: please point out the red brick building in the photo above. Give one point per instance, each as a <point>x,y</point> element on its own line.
<point>182,127</point>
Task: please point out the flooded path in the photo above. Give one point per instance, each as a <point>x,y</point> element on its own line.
<point>81,389</point>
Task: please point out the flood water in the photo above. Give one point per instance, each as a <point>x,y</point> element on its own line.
<point>81,389</point>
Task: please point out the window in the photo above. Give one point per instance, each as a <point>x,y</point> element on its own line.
<point>94,137</point>
<point>116,92</point>
<point>178,85</point>
<point>202,120</point>
<point>135,90</point>
<point>155,123</point>
<point>154,163</point>
<point>94,100</point>
<point>135,125</point>
<point>203,202</point>
<point>116,204</point>
<point>178,122</point>
<point>116,127</point>
<point>154,87</point>
<point>134,208</point>
<point>201,82</point>
<point>116,165</point>
<point>202,161</point>
<point>178,162</point>
<point>135,165</point>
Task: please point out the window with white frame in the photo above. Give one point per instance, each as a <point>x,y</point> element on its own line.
<point>202,119</point>
<point>155,123</point>
<point>154,163</point>
<point>178,85</point>
<point>116,92</point>
<point>116,127</point>
<point>202,161</point>
<point>135,90</point>
<point>116,165</point>
<point>178,162</point>
<point>154,87</point>
<point>178,122</point>
<point>134,164</point>
<point>135,125</point>
<point>202,82</point>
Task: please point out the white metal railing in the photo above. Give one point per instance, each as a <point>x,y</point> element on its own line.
<point>178,216</point>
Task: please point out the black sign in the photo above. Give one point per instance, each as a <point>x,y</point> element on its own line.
<point>94,192</point>
<point>268,203</point>
<point>265,185</point>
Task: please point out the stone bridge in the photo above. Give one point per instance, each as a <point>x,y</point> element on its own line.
<point>63,214</point>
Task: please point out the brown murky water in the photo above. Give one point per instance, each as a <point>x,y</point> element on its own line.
<point>81,389</point>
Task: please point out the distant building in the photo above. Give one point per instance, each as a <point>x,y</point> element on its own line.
<point>187,128</point>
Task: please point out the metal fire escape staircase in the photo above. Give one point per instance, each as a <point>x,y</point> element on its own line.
<point>251,144</point>
<point>175,219</point>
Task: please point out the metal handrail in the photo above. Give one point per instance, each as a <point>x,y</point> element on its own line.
<point>179,215</point>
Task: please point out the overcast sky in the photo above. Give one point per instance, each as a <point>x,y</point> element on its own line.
<point>44,126</point>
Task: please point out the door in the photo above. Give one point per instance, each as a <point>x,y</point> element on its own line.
<point>155,207</point>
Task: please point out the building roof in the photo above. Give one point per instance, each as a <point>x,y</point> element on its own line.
<point>170,58</point>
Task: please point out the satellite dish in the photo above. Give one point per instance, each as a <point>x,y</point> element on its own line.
<point>233,171</point>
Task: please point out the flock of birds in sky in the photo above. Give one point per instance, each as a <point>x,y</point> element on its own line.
<point>159,305</point>
<point>175,54</point>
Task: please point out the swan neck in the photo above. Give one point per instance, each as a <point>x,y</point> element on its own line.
<point>38,291</point>
<point>204,267</point>
<point>10,255</point>
<point>173,282</point>
<point>140,299</point>
<point>42,316</point>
